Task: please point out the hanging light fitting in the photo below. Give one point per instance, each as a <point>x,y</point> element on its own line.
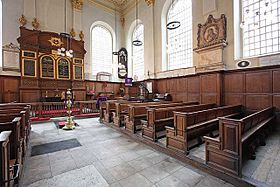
<point>137,42</point>
<point>173,24</point>
<point>65,51</point>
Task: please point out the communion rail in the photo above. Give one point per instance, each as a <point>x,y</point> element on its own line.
<point>41,110</point>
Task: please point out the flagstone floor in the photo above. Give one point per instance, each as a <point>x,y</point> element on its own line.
<point>105,158</point>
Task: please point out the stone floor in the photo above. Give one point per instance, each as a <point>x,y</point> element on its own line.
<point>266,167</point>
<point>106,158</point>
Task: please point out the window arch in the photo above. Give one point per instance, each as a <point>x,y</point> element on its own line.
<point>260,27</point>
<point>138,52</point>
<point>179,41</point>
<point>102,48</point>
<point>1,33</point>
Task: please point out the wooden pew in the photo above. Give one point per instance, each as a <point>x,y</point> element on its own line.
<point>110,108</point>
<point>122,110</point>
<point>138,112</point>
<point>14,107</point>
<point>158,118</point>
<point>192,126</point>
<point>237,136</point>
<point>102,111</point>
<point>5,174</point>
<point>12,123</point>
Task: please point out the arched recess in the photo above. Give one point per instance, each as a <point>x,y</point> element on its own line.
<point>107,27</point>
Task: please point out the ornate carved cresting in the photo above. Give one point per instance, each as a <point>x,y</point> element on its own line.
<point>35,23</point>
<point>212,33</point>
<point>82,36</point>
<point>211,40</point>
<point>78,4</point>
<point>22,20</point>
<point>150,2</point>
<point>54,41</point>
<point>72,33</point>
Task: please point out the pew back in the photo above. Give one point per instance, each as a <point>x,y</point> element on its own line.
<point>5,158</point>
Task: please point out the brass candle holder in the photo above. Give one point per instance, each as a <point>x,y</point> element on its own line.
<point>69,124</point>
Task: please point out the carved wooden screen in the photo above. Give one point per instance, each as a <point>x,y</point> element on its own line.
<point>78,68</point>
<point>63,68</point>
<point>29,68</point>
<point>47,67</point>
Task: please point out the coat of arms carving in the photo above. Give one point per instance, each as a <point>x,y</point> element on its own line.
<point>212,33</point>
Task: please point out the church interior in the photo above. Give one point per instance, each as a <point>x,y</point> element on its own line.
<point>128,93</point>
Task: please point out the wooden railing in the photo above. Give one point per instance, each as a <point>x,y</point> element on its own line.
<point>57,109</point>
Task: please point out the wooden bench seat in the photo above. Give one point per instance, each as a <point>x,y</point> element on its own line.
<point>159,118</point>
<point>238,138</point>
<point>5,158</point>
<point>190,127</point>
<point>137,112</point>
<point>11,123</point>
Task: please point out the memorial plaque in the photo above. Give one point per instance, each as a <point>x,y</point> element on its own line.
<point>78,72</point>
<point>29,67</point>
<point>47,67</point>
<point>63,68</point>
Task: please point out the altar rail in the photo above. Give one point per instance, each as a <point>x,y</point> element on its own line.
<point>57,109</point>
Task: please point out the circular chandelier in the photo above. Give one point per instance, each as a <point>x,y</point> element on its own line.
<point>137,42</point>
<point>65,52</point>
<point>173,24</point>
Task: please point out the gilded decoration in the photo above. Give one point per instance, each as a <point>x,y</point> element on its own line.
<point>212,33</point>
<point>150,2</point>
<point>72,33</point>
<point>22,20</point>
<point>82,36</point>
<point>78,4</point>
<point>35,24</point>
<point>55,41</point>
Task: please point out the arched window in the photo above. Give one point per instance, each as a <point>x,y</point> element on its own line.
<point>260,27</point>
<point>102,48</point>
<point>1,12</point>
<point>180,40</point>
<point>138,52</point>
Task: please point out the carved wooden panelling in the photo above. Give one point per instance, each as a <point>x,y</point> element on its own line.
<point>234,83</point>
<point>276,102</point>
<point>194,85</point>
<point>276,78</point>
<point>258,102</point>
<point>29,68</point>
<point>259,82</point>
<point>29,83</point>
<point>209,83</point>
<point>232,99</point>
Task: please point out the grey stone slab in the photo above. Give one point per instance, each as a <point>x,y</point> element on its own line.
<point>112,162</point>
<point>156,157</point>
<point>135,180</point>
<point>140,164</point>
<point>187,176</point>
<point>208,181</point>
<point>33,175</point>
<point>63,166</point>
<point>122,171</point>
<point>171,181</point>
<point>105,173</point>
<point>83,177</point>
<point>169,165</point>
<point>129,155</point>
<point>154,174</point>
